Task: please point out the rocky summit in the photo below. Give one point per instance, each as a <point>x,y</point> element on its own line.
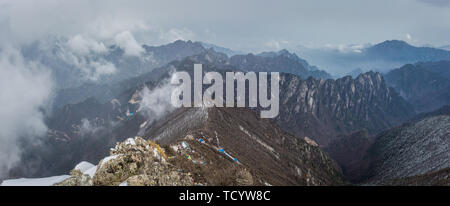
<point>135,162</point>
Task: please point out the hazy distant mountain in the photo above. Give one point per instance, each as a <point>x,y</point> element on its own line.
<point>440,67</point>
<point>381,57</point>
<point>74,86</point>
<point>73,68</point>
<point>289,55</point>
<point>447,47</point>
<point>425,85</point>
<point>281,61</point>
<point>400,51</point>
<point>177,50</point>
<point>228,52</point>
<point>355,73</point>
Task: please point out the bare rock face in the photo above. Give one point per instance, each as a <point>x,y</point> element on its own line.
<point>139,163</point>
<point>115,171</point>
<point>84,180</point>
<point>282,61</point>
<point>311,142</point>
<point>323,109</point>
<point>140,180</point>
<point>159,176</point>
<point>425,85</point>
<point>173,178</point>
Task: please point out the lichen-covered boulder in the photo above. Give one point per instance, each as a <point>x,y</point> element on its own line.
<point>76,173</point>
<point>160,175</point>
<point>138,162</point>
<point>81,180</point>
<point>174,178</point>
<point>140,180</point>
<point>113,170</point>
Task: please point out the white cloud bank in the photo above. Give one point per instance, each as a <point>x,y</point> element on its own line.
<point>24,89</point>
<point>157,102</point>
<point>126,41</point>
<point>84,45</point>
<point>174,34</point>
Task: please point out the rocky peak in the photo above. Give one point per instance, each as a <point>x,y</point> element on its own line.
<point>425,85</point>
<point>178,44</point>
<point>392,44</point>
<point>210,56</point>
<point>282,61</point>
<point>322,109</point>
<point>134,162</point>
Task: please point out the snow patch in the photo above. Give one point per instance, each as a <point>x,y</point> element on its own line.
<point>47,181</point>
<point>130,141</point>
<point>91,171</point>
<point>84,166</point>
<point>106,159</point>
<point>158,156</point>
<point>143,124</point>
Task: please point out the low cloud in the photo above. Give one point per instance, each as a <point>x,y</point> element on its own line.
<point>157,102</point>
<point>25,89</point>
<point>85,45</point>
<point>88,127</point>
<point>101,68</point>
<point>343,48</point>
<point>272,44</point>
<point>276,44</point>
<point>91,68</point>
<point>107,27</point>
<point>408,37</point>
<point>176,34</point>
<point>126,41</point>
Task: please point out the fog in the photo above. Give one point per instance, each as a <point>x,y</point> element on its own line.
<point>25,89</point>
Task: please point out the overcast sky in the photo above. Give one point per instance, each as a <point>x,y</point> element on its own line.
<point>247,25</point>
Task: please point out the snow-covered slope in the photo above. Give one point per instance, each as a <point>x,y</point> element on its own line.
<point>47,181</point>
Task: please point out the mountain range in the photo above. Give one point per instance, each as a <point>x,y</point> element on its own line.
<point>324,109</point>
<point>425,85</point>
<point>367,129</point>
<point>381,57</point>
